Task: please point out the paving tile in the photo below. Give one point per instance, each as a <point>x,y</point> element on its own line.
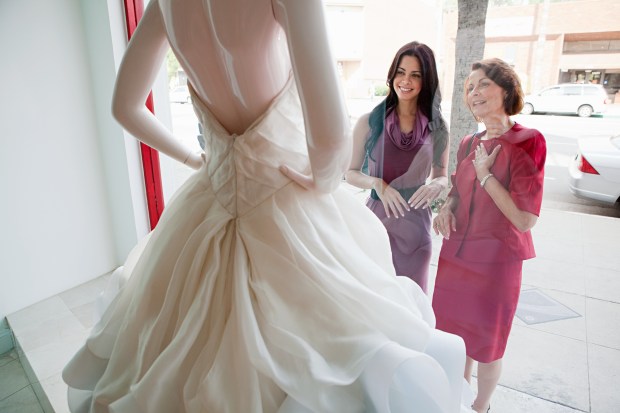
<point>48,360</point>
<point>536,307</point>
<point>32,376</point>
<point>85,293</point>
<point>6,338</point>
<point>555,274</point>
<point>24,401</point>
<point>557,236</point>
<point>38,313</point>
<point>86,314</point>
<point>603,284</point>
<point>602,256</point>
<point>12,379</point>
<point>571,327</point>
<point>560,250</point>
<point>8,357</point>
<point>603,323</point>
<point>43,323</point>
<point>55,393</point>
<point>555,225</point>
<point>507,400</point>
<point>547,366</point>
<point>600,230</point>
<point>604,379</point>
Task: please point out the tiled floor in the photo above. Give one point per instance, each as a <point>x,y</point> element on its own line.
<point>563,366</point>
<point>48,333</point>
<point>16,393</point>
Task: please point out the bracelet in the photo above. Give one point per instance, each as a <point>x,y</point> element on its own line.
<point>484,180</point>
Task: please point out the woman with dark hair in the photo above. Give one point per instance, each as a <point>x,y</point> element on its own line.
<point>486,220</point>
<point>405,140</point>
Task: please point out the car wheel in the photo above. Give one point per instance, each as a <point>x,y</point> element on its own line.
<point>528,109</point>
<point>585,111</point>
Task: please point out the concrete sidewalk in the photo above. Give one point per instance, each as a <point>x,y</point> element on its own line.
<point>570,364</point>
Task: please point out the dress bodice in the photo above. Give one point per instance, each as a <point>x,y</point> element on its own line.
<point>243,169</point>
<point>403,168</point>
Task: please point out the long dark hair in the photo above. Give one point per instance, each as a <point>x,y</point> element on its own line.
<point>429,96</point>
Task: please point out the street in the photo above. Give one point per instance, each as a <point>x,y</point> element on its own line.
<point>561,133</point>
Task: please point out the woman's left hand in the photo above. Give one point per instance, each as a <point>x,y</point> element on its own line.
<point>425,195</point>
<point>483,161</point>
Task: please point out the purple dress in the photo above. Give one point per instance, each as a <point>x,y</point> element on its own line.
<point>404,161</point>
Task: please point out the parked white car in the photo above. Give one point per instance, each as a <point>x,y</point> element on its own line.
<point>581,99</point>
<point>180,94</point>
<point>595,172</point>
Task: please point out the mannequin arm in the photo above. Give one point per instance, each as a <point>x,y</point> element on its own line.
<point>327,125</point>
<point>137,73</point>
<point>354,175</point>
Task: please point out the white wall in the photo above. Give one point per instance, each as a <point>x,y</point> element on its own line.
<point>106,42</point>
<point>67,202</point>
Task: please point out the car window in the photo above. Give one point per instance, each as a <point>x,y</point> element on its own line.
<point>572,90</point>
<point>552,91</point>
<point>591,90</point>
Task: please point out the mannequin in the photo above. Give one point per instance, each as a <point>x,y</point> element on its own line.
<point>238,89</point>
<point>246,299</point>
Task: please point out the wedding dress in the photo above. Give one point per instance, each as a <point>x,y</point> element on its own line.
<point>251,289</point>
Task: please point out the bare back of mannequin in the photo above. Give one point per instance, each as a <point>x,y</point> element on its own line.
<point>236,56</point>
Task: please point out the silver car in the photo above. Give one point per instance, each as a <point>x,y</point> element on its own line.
<point>581,99</point>
<point>595,172</point>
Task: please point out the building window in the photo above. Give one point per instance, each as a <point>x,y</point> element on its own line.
<point>592,46</point>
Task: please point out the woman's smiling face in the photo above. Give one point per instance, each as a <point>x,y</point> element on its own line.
<point>408,80</point>
<point>484,96</point>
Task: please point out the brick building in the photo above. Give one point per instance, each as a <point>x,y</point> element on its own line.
<point>549,43</point>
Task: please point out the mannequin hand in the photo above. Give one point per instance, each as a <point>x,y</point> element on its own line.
<point>304,180</point>
<point>425,195</point>
<point>393,202</point>
<point>308,182</point>
<point>444,223</point>
<point>483,161</point>
<point>195,160</point>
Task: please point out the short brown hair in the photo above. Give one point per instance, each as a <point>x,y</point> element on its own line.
<point>505,77</point>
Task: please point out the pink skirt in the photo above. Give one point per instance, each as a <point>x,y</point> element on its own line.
<point>477,301</point>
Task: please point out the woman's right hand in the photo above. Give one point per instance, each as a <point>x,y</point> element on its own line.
<point>445,222</point>
<point>393,202</point>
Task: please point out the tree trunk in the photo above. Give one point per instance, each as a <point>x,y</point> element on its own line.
<point>469,49</point>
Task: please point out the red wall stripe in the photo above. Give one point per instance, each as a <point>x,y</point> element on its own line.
<point>150,157</point>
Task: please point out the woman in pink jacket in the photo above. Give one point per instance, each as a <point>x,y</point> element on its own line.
<point>494,202</point>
